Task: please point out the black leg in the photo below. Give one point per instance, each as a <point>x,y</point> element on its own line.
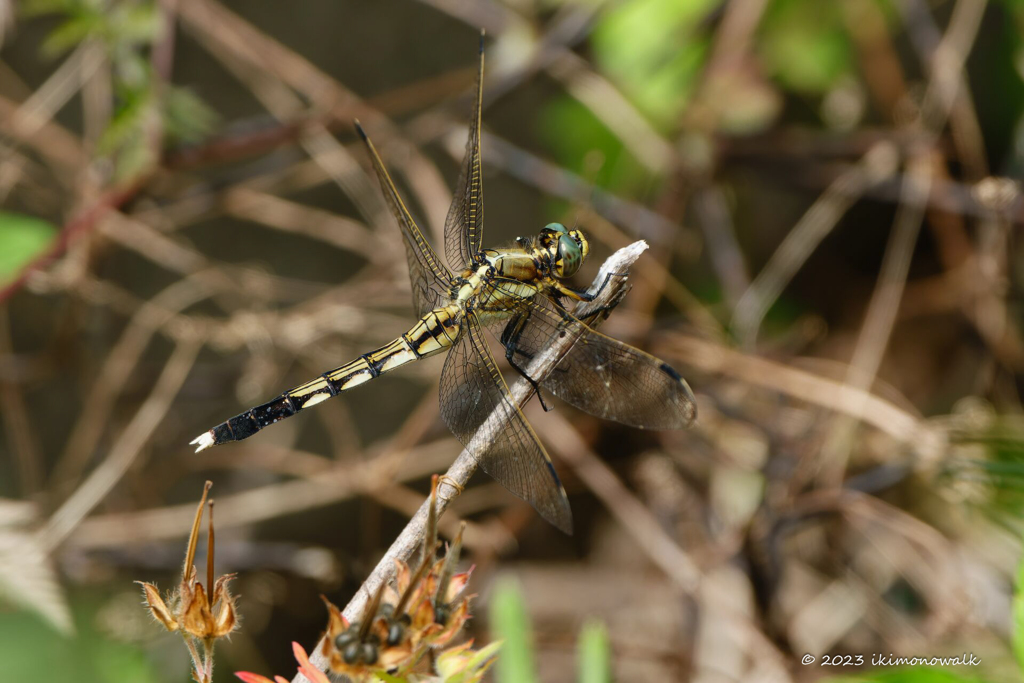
<point>602,310</point>
<point>510,339</point>
<point>584,295</point>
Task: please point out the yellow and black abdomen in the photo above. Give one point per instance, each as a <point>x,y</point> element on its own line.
<point>434,332</point>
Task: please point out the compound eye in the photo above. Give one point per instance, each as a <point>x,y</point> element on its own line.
<point>570,258</point>
<point>557,227</point>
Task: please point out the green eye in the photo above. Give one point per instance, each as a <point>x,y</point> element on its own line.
<point>557,227</point>
<point>569,256</point>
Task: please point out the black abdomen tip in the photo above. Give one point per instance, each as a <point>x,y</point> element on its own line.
<point>243,426</point>
<point>222,433</point>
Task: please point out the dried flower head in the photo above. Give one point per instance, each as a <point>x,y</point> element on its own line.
<point>361,648</point>
<point>424,610</point>
<point>198,612</point>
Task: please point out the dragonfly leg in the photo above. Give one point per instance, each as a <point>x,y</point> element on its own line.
<point>582,294</point>
<point>607,308</point>
<point>510,339</point>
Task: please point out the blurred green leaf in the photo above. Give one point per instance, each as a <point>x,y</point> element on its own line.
<point>804,45</point>
<point>32,8</point>
<point>1014,6</point>
<point>134,23</point>
<point>908,675</point>
<point>388,678</point>
<point>125,136</point>
<point>653,51</point>
<point>594,654</point>
<point>122,25</point>
<point>186,117</point>
<point>144,107</point>
<point>1018,617</point>
<point>511,625</point>
<point>999,95</point>
<point>133,106</point>
<point>31,651</point>
<point>585,146</point>
<point>989,467</point>
<point>22,238</point>
<point>70,33</point>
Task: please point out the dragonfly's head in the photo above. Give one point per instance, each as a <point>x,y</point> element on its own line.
<point>566,248</point>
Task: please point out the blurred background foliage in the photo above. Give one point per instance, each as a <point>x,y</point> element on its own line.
<point>831,191</point>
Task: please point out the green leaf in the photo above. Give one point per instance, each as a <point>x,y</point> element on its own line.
<point>31,651</point>
<point>133,107</point>
<point>22,238</point>
<point>388,678</point>
<point>186,117</point>
<point>1018,617</point>
<point>908,675</point>
<point>510,624</point>
<point>125,137</point>
<point>594,654</point>
<point>70,34</point>
<point>33,8</point>
<point>804,45</point>
<point>135,23</point>
<point>995,477</point>
<point>654,51</point>
<point>590,140</point>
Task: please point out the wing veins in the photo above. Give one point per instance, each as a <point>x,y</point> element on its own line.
<point>430,278</point>
<point>601,375</point>
<point>478,408</point>
<point>463,227</point>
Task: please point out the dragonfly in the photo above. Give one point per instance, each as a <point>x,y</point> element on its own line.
<point>519,294</point>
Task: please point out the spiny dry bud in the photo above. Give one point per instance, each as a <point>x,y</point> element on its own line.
<point>424,610</point>
<point>361,648</point>
<point>204,613</point>
<point>401,623</point>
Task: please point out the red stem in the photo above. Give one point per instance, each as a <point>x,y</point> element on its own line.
<point>73,229</point>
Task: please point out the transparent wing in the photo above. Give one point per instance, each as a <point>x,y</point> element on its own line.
<point>597,374</point>
<point>478,409</point>
<point>431,280</point>
<point>463,228</point>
